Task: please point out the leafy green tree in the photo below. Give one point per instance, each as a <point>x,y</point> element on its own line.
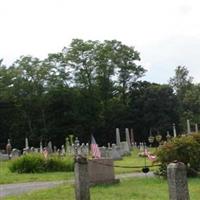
<point>81,58</point>
<point>152,106</point>
<point>182,85</point>
<point>128,69</point>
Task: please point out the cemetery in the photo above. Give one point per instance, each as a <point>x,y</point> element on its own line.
<point>99,100</point>
<point>89,171</point>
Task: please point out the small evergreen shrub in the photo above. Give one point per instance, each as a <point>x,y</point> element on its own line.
<point>184,149</point>
<point>36,163</point>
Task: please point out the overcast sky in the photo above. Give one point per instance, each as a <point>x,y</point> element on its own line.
<point>165,32</point>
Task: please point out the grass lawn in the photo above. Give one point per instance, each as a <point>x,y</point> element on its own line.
<point>129,189</point>
<point>8,177</point>
<point>133,160</point>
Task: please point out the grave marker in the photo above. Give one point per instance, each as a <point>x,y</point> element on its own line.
<point>177,181</point>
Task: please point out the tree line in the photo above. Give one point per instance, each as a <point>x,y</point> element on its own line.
<point>90,87</point>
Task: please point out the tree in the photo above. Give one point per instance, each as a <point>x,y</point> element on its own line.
<point>128,70</point>
<point>152,106</point>
<point>182,84</point>
<point>81,58</point>
<point>181,80</point>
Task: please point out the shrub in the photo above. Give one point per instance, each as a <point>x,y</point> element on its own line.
<point>184,149</point>
<point>35,162</point>
<point>28,163</point>
<point>55,163</point>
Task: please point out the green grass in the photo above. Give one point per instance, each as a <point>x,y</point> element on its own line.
<point>133,160</point>
<point>9,177</point>
<point>129,189</point>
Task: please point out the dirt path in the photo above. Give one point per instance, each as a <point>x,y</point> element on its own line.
<point>18,188</point>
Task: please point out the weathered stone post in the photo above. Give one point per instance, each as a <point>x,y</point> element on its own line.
<point>82,182</point>
<point>118,137</point>
<point>132,137</point>
<point>188,126</point>
<point>177,181</point>
<point>174,129</point>
<point>196,128</point>
<point>82,190</point>
<point>128,138</point>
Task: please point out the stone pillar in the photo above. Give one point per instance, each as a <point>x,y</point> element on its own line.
<point>132,137</point>
<point>177,181</point>
<point>188,126</point>
<point>50,148</point>
<point>128,138</point>
<point>117,137</point>
<point>26,143</point>
<point>9,149</point>
<point>41,147</point>
<point>67,145</point>
<point>196,128</point>
<point>174,129</point>
<point>82,190</point>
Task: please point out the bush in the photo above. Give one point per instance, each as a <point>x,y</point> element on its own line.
<point>184,149</point>
<point>35,162</point>
<point>55,163</point>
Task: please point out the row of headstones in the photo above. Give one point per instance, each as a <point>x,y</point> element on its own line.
<point>121,148</point>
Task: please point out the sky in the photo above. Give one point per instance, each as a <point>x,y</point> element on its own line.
<point>165,32</point>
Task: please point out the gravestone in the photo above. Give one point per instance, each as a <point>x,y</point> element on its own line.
<point>101,171</point>
<point>4,156</point>
<point>62,150</point>
<point>115,155</point>
<point>174,129</point>
<point>50,148</point>
<point>15,153</point>
<point>103,151</point>
<point>84,150</point>
<point>87,149</point>
<point>128,138</point>
<point>177,181</point>
<point>82,184</point>
<point>32,149</point>
<point>188,126</point>
<point>67,145</point>
<point>41,147</point>
<point>54,149</point>
<point>132,137</point>
<point>117,137</point>
<point>9,149</point>
<point>26,144</point>
<point>196,128</point>
<point>124,148</point>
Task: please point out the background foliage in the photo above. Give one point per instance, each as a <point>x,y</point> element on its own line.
<point>90,87</point>
<point>184,149</point>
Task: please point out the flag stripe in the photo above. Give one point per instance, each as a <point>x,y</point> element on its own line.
<point>95,149</point>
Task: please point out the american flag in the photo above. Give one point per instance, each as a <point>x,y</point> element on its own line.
<point>150,157</point>
<point>95,149</point>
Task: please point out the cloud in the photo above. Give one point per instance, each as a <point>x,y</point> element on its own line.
<point>166,55</point>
